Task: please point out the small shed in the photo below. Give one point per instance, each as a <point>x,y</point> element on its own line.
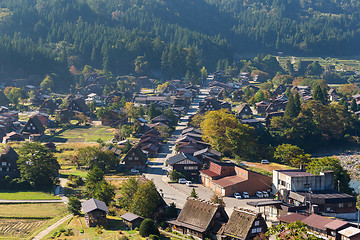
<point>132,220</point>
<point>95,212</point>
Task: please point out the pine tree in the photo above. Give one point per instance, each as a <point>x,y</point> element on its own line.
<point>318,94</point>
<point>353,106</point>
<point>193,193</point>
<point>291,108</point>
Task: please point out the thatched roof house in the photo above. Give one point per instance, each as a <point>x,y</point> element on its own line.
<point>200,218</point>
<point>244,224</point>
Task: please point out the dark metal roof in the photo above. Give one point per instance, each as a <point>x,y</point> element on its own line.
<point>130,217</point>
<point>179,157</point>
<point>94,204</point>
<point>264,203</point>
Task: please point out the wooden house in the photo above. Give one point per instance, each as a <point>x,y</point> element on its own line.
<point>244,110</point>
<point>135,158</point>
<point>95,212</point>
<point>244,225</point>
<point>33,126</point>
<point>185,163</point>
<point>200,219</point>
<point>132,220</point>
<point>48,105</point>
<point>8,163</point>
<point>78,104</point>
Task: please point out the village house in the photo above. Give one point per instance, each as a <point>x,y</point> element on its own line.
<point>323,227</point>
<point>212,104</point>
<point>226,178</point>
<point>350,233</point>
<point>8,163</point>
<point>78,104</point>
<point>244,224</point>
<point>33,127</point>
<point>135,158</point>
<point>300,188</point>
<point>12,137</point>
<point>333,95</point>
<point>200,219</point>
<point>95,212</point>
<point>261,107</point>
<point>132,220</point>
<point>244,110</point>
<point>207,155</point>
<point>186,164</point>
<point>188,147</point>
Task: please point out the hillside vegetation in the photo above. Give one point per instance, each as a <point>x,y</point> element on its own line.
<point>48,36</point>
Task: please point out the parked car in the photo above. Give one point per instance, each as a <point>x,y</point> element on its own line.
<point>245,195</point>
<point>264,161</point>
<point>265,193</point>
<point>259,194</point>
<point>189,183</point>
<point>133,170</point>
<point>237,195</point>
<point>182,180</point>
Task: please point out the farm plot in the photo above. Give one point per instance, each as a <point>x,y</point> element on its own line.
<point>18,227</point>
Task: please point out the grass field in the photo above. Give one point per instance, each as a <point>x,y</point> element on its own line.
<point>65,171</point>
<point>26,195</point>
<point>84,134</point>
<point>350,63</point>
<point>18,228</point>
<point>266,169</point>
<point>43,210</point>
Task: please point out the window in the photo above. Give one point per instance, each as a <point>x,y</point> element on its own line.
<point>3,164</point>
<point>350,204</point>
<point>190,167</point>
<point>136,158</point>
<point>258,230</point>
<point>33,128</point>
<point>130,158</point>
<point>341,205</point>
<point>0,169</point>
<point>257,223</point>
<point>253,230</point>
<point>233,188</point>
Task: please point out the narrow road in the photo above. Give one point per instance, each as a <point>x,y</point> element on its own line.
<point>45,232</point>
<point>32,201</point>
<point>157,169</point>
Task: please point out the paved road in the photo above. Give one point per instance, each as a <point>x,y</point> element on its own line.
<point>179,192</point>
<point>156,170</point>
<point>52,227</point>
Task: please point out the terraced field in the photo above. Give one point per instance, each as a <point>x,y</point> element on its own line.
<point>18,227</point>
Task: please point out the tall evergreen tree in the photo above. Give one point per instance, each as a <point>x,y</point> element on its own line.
<point>318,94</point>
<point>291,109</point>
<point>353,106</point>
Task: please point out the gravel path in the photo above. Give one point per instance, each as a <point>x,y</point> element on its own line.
<point>52,227</point>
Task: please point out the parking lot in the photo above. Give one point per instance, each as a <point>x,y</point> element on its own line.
<point>206,194</point>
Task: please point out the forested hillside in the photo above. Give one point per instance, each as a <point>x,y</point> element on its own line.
<point>37,35</point>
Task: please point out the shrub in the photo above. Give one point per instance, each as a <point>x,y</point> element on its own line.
<point>148,227</point>
<point>154,237</point>
<point>74,205</point>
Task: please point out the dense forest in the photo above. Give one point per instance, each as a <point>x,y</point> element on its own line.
<point>125,36</point>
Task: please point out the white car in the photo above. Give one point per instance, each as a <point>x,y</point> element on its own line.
<point>265,193</point>
<point>264,161</point>
<point>259,194</point>
<point>133,170</point>
<point>245,195</point>
<point>182,181</point>
<point>237,195</point>
<point>188,183</point>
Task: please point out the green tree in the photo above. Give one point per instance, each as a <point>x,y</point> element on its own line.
<point>285,153</point>
<point>104,191</point>
<point>127,191</point>
<point>74,205</point>
<point>315,69</point>
<point>148,227</point>
<point>318,94</point>
<point>3,99</point>
<point>94,176</point>
<point>145,200</point>
<point>38,165</point>
<point>141,65</point>
<point>295,230</point>
<point>292,110</point>
<point>172,211</point>
<point>217,199</point>
<point>353,105</point>
<point>341,176</point>
<point>47,83</point>
<point>193,193</point>
<point>14,94</point>
<point>204,73</point>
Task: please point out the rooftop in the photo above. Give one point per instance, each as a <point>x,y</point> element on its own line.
<point>130,216</point>
<point>350,231</point>
<point>229,181</point>
<point>295,173</point>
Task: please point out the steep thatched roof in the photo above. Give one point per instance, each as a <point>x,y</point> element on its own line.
<point>240,223</point>
<point>198,213</point>
<point>9,154</point>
